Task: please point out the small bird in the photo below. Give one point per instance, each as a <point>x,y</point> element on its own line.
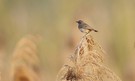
<point>85,28</point>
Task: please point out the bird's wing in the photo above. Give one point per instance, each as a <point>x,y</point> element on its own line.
<point>86,26</point>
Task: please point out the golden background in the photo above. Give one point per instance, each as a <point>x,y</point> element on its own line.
<point>55,20</point>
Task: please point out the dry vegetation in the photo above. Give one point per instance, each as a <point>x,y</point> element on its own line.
<point>55,19</point>
<point>25,64</point>
<point>87,64</point>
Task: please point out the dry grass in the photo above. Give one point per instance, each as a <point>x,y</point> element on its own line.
<point>25,64</point>
<point>87,64</point>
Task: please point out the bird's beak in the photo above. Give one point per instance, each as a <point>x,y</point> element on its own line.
<point>76,21</point>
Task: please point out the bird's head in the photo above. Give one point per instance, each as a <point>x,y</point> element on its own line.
<point>79,21</point>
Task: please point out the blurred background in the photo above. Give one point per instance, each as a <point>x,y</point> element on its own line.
<point>55,20</point>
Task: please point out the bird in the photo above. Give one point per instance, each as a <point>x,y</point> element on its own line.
<point>85,28</point>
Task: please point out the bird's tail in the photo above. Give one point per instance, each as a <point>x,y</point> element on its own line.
<point>95,30</point>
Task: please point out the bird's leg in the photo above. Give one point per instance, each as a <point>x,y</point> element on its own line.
<point>87,33</point>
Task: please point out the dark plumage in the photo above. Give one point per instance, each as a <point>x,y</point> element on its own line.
<point>85,28</point>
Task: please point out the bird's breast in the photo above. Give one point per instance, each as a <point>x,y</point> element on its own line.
<point>84,30</point>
